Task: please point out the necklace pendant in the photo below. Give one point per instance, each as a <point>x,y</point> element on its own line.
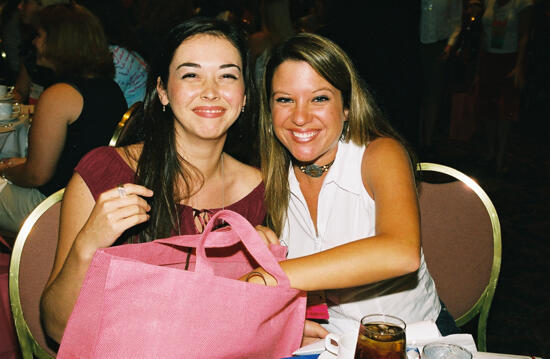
<point>315,171</point>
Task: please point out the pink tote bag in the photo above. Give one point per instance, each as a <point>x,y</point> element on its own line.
<point>137,301</point>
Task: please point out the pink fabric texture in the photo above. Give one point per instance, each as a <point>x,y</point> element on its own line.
<point>318,311</point>
<point>138,301</point>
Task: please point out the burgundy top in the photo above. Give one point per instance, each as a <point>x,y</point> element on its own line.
<point>103,169</point>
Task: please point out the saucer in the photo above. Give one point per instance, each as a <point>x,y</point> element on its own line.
<point>6,127</point>
<point>13,117</point>
<point>8,96</point>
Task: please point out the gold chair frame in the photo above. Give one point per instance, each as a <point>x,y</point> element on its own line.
<point>483,304</point>
<point>122,123</point>
<point>30,348</point>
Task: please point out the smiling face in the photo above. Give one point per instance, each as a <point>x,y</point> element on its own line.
<point>308,112</point>
<point>205,88</point>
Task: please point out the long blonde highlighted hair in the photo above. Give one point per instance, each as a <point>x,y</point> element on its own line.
<point>365,121</point>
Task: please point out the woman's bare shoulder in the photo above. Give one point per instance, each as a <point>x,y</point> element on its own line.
<point>384,159</point>
<point>384,146</point>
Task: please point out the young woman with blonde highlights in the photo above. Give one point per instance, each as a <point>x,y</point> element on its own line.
<point>340,190</point>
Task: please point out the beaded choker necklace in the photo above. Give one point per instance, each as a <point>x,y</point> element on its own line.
<point>313,170</point>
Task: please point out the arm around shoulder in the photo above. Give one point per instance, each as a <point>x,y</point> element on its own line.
<point>394,250</point>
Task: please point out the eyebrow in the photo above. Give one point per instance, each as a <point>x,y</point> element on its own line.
<point>323,89</point>
<point>313,92</point>
<point>192,64</point>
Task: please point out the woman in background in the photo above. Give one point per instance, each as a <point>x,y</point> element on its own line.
<point>276,26</point>
<point>506,25</point>
<point>76,114</point>
<point>130,67</point>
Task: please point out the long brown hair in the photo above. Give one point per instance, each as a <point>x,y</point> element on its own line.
<point>365,120</point>
<point>75,41</point>
<point>159,166</point>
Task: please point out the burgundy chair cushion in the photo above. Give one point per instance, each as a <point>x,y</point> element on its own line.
<point>35,266</point>
<point>457,240</point>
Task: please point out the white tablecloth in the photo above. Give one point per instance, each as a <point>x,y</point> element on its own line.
<point>13,139</point>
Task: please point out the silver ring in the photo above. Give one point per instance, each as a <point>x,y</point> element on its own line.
<point>121,190</point>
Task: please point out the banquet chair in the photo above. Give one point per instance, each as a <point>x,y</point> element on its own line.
<point>31,263</point>
<point>461,241</point>
<point>124,124</point>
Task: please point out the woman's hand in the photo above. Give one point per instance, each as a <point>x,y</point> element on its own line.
<point>313,331</point>
<point>517,76</point>
<point>267,235</point>
<point>115,211</point>
<point>259,276</point>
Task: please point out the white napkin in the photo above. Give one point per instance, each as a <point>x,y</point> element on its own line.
<point>313,348</point>
<point>424,331</point>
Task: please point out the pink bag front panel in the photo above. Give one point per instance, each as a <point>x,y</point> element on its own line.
<point>216,317</point>
<point>139,306</point>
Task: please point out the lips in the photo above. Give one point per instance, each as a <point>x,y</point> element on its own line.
<point>209,111</point>
<point>304,136</point>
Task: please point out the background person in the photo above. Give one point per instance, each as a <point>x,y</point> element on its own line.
<point>74,115</point>
<point>276,26</point>
<point>438,20</point>
<point>130,67</point>
<point>506,25</point>
<point>32,78</point>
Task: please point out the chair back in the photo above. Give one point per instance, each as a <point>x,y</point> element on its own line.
<point>30,267</point>
<point>125,124</point>
<point>461,241</point>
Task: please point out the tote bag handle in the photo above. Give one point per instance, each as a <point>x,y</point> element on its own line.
<point>240,231</point>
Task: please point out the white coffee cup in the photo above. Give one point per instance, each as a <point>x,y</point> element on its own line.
<point>3,91</point>
<point>6,110</point>
<point>342,346</point>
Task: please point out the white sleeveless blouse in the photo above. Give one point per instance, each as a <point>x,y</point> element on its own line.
<point>346,213</point>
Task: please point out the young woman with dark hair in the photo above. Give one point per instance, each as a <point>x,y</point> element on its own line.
<point>174,173</point>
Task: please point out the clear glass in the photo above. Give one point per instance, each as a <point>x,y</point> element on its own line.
<point>445,351</point>
<point>381,336</point>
